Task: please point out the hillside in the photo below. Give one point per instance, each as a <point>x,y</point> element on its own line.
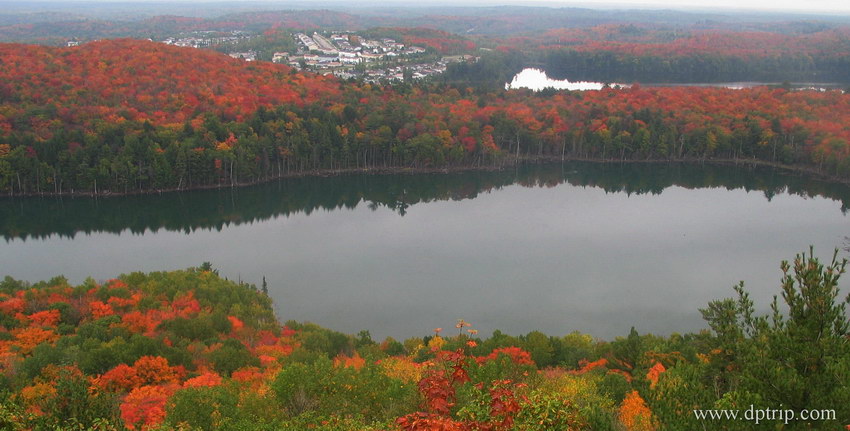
<point>56,22</point>
<point>123,116</point>
<point>190,350</point>
<point>118,80</point>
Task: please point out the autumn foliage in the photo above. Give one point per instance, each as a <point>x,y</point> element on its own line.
<point>642,40</point>
<point>138,382</point>
<point>145,406</point>
<point>634,413</point>
<point>201,118</point>
<point>120,80</point>
<point>516,355</point>
<point>247,358</point>
<point>210,352</point>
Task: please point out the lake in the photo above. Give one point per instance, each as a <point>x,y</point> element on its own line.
<point>591,247</point>
<point>537,79</point>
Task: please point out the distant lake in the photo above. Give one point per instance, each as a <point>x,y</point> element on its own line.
<point>596,248</point>
<point>818,86</point>
<point>536,79</point>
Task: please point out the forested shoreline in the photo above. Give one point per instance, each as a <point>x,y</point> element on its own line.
<point>802,52</point>
<point>101,122</point>
<point>500,165</point>
<point>41,218</point>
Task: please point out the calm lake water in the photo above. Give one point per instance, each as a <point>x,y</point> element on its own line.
<point>536,79</point>
<point>596,248</point>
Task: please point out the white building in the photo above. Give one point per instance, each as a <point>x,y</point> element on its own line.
<point>247,56</point>
<point>349,57</point>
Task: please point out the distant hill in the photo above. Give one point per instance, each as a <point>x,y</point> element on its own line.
<point>122,116</point>
<point>56,22</point>
<point>137,80</point>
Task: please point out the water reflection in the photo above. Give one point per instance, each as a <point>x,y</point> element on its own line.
<point>536,79</point>
<point>23,218</point>
<point>580,246</point>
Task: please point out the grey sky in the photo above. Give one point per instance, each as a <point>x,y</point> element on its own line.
<point>813,6</point>
<point>784,5</point>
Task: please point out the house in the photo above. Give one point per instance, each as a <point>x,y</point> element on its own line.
<point>349,57</point>
<point>367,56</point>
<point>247,56</point>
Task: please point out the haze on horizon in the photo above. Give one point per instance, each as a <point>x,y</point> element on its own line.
<point>794,6</point>
<point>814,6</point>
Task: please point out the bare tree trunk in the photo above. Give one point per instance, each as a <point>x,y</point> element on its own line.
<point>563,148</point>
<point>517,147</point>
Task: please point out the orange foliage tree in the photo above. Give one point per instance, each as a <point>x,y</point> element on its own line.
<point>635,414</point>
<point>144,407</point>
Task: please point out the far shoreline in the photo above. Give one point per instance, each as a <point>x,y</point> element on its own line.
<point>402,170</point>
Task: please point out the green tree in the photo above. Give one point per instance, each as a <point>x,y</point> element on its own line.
<point>231,356</point>
<point>204,408</point>
<point>797,358</point>
<point>540,347</point>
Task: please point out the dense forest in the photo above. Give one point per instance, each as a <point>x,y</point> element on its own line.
<point>191,350</point>
<point>99,119</point>
<point>801,52</point>
<point>634,52</point>
<point>611,66</point>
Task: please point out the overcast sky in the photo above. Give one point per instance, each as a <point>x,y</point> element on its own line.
<point>819,6</point>
<point>840,7</point>
<point>812,6</point>
<point>784,5</point>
